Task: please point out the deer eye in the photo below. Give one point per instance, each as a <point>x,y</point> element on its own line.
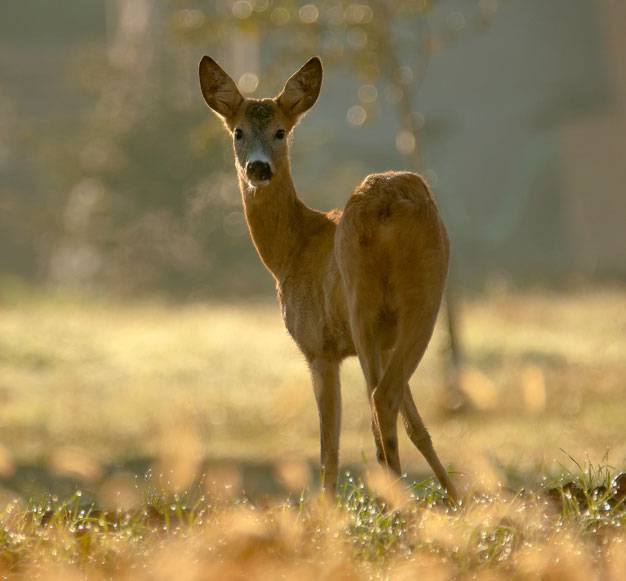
<point>280,134</point>
<point>238,133</point>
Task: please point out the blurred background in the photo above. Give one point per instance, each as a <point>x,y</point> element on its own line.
<point>131,297</point>
<point>115,174</point>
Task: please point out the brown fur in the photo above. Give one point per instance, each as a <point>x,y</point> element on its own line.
<point>367,281</point>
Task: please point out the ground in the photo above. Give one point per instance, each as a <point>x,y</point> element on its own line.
<point>96,392</point>
<point>112,379</point>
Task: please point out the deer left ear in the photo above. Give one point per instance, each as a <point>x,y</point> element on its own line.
<point>219,90</point>
<point>302,89</point>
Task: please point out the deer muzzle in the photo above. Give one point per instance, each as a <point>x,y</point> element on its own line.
<point>258,172</point>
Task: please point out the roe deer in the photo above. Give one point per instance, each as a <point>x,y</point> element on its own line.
<point>367,281</point>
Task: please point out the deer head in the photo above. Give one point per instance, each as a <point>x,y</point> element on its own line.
<point>260,127</point>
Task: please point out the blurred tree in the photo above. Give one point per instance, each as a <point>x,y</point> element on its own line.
<point>146,205</point>
<point>144,195</point>
<point>113,173</point>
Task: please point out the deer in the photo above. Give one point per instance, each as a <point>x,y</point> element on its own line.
<point>367,280</point>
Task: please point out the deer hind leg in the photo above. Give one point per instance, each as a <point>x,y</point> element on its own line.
<point>410,348</point>
<point>388,397</point>
<point>387,379</point>
<point>366,336</point>
<point>393,387</point>
<point>385,403</point>
<point>366,343</point>
<point>420,437</point>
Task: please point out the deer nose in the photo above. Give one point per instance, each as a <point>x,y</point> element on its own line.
<point>258,170</point>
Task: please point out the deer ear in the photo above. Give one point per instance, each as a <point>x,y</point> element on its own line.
<point>218,89</point>
<point>302,89</point>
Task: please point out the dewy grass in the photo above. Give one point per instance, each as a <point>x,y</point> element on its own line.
<point>573,531</point>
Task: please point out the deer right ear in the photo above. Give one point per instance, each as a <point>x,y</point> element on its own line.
<point>218,89</point>
<point>302,89</point>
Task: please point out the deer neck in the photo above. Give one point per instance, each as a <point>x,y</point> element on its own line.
<point>277,220</point>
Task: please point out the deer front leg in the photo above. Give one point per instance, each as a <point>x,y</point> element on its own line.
<point>325,375</point>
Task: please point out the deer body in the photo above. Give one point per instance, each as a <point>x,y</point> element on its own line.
<point>367,281</point>
<point>303,263</point>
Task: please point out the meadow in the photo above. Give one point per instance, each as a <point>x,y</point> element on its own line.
<point>147,438</point>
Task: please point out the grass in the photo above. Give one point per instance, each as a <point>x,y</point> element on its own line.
<point>180,441</point>
<point>392,531</point>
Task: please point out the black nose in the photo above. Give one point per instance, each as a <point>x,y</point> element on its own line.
<point>258,170</point>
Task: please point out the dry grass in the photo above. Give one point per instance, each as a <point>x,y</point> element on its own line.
<point>95,392</point>
<point>390,531</point>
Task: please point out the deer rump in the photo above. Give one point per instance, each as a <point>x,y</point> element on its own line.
<point>392,251</point>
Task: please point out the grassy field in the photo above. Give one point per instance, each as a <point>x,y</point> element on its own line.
<point>153,419</point>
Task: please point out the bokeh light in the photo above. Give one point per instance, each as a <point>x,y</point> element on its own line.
<point>356,115</point>
<point>309,13</point>
<point>358,14</point>
<point>242,9</point>
<point>260,5</point>
<point>368,93</point>
<point>248,83</point>
<point>405,142</point>
<point>405,75</point>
